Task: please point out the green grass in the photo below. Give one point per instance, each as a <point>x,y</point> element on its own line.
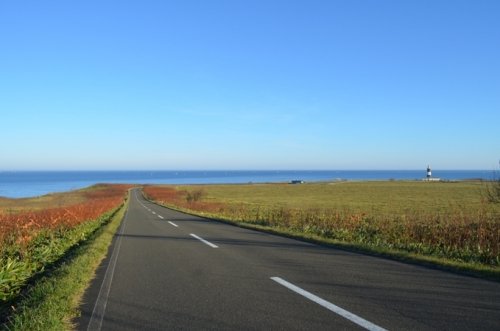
<point>51,303</point>
<point>377,197</point>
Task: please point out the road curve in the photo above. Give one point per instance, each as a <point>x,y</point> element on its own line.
<point>168,270</point>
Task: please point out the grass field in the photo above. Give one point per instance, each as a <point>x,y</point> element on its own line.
<point>13,206</point>
<point>448,220</point>
<point>374,197</point>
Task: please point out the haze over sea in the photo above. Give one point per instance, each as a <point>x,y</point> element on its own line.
<point>18,184</point>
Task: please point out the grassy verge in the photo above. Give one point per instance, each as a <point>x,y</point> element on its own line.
<point>445,226</point>
<point>471,269</point>
<point>30,241</point>
<point>51,302</point>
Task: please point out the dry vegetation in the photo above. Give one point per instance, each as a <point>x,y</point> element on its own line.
<point>448,220</point>
<point>30,239</point>
<point>66,211</point>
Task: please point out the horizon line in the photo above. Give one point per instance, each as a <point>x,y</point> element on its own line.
<point>237,170</point>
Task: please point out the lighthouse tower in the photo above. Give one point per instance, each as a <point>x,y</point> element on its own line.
<point>429,172</point>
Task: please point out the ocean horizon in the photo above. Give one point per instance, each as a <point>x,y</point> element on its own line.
<point>20,184</point>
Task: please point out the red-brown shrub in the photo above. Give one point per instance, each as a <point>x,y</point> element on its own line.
<point>24,226</point>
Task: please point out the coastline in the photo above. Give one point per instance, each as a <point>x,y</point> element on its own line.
<point>23,184</point>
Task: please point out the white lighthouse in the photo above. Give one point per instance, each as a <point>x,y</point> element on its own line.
<point>429,177</point>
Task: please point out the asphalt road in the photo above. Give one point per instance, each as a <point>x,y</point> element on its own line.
<point>161,275</point>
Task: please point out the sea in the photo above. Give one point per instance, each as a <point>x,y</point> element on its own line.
<point>20,184</point>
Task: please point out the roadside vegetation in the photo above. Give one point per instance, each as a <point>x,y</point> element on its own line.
<point>34,241</point>
<point>447,223</point>
<point>491,190</point>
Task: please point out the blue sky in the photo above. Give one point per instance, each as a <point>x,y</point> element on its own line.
<point>249,84</point>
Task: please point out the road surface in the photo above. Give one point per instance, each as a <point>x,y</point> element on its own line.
<point>171,271</point>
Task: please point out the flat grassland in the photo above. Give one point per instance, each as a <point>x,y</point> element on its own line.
<point>443,220</point>
<point>377,198</point>
<point>12,206</point>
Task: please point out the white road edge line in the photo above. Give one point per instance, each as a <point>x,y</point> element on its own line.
<point>160,216</point>
<point>330,306</point>
<point>173,224</point>
<point>99,310</point>
<point>204,241</point>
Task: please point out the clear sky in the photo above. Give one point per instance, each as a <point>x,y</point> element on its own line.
<point>352,84</point>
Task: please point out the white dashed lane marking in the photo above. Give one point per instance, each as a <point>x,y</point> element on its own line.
<point>203,241</point>
<point>330,306</point>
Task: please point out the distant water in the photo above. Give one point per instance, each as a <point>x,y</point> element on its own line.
<point>16,184</point>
